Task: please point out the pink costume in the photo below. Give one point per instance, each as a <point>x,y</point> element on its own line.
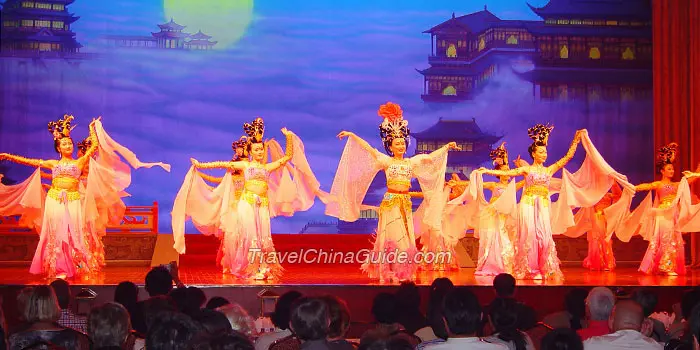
<point>72,222</point>
<point>242,220</point>
<point>393,255</point>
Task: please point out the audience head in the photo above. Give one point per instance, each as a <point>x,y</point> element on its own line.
<point>562,339</point>
<point>339,315</point>
<point>159,281</point>
<point>626,315</point>
<point>694,326</point>
<point>283,308</point>
<point>217,302</point>
<point>62,290</point>
<point>575,304</point>
<point>599,303</point>
<point>504,284</point>
<point>212,321</point>
<point>647,299</point>
<point>503,315</point>
<point>40,305</point>
<point>462,313</point>
<point>230,341</point>
<point>688,302</point>
<point>127,294</point>
<point>439,288</point>
<point>155,306</point>
<point>188,300</point>
<point>172,331</point>
<point>408,297</point>
<point>309,319</point>
<point>384,342</point>
<point>239,319</point>
<point>384,308</point>
<point>108,325</point>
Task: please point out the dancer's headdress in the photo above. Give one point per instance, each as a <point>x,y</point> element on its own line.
<point>499,155</point>
<point>540,134</point>
<point>666,155</point>
<point>393,126</point>
<point>241,143</point>
<point>61,128</point>
<point>84,144</point>
<point>255,130</point>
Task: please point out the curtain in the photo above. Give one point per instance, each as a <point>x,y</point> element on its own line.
<point>676,40</point>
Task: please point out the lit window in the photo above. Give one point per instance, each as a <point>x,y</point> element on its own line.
<point>611,23</point>
<point>628,54</point>
<point>451,51</point>
<point>27,23</point>
<point>564,52</point>
<point>58,7</point>
<point>57,25</point>
<point>29,4</point>
<point>594,53</point>
<point>42,24</point>
<point>43,6</point>
<point>512,40</point>
<point>482,44</point>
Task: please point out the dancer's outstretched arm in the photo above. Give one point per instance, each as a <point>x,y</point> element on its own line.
<point>48,164</point>
<point>366,146</point>
<point>570,154</point>
<point>288,152</point>
<point>93,145</point>
<point>647,186</point>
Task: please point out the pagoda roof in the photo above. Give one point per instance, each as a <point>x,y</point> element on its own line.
<point>171,25</point>
<point>65,2</point>
<point>32,13</point>
<point>539,28</point>
<point>456,130</point>
<point>588,75</point>
<point>170,35</point>
<point>602,9</point>
<point>476,22</point>
<point>459,71</point>
<point>200,36</point>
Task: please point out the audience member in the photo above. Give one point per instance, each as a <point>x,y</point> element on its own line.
<point>280,318</point>
<point>626,322</point>
<point>408,303</point>
<point>599,305</point>
<point>648,300</point>
<point>172,331</point>
<point>127,294</point>
<point>212,321</point>
<point>505,287</point>
<point>384,310</point>
<point>68,318</point>
<point>383,342</point>
<point>109,326</point>
<point>339,315</point>
<point>503,316</point>
<point>239,319</point>
<point>216,302</point>
<point>436,325</point>
<point>574,312</point>
<point>310,322</point>
<point>562,339</point>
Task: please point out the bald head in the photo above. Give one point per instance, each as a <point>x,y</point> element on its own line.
<point>627,314</point>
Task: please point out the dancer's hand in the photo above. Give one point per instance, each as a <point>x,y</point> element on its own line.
<point>286,132</point>
<point>3,156</point>
<point>455,177</point>
<point>194,162</point>
<point>344,134</point>
<point>481,170</point>
<point>453,145</point>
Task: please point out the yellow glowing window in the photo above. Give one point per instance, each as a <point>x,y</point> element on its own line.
<point>628,54</point>
<point>451,51</point>
<point>29,4</point>
<point>57,25</point>
<point>43,6</point>
<point>42,24</point>
<point>564,52</point>
<point>512,40</point>
<point>611,23</point>
<point>482,44</point>
<point>58,7</point>
<point>27,23</point>
<point>449,91</point>
<point>594,53</point>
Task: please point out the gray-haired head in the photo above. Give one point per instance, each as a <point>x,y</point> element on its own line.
<point>600,302</point>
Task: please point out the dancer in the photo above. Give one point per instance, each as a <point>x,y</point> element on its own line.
<point>663,221</point>
<point>72,222</point>
<point>496,221</point>
<point>239,153</point>
<point>395,232</point>
<point>535,251</point>
<point>248,250</point>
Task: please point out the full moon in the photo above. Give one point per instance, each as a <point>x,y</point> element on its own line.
<point>224,20</point>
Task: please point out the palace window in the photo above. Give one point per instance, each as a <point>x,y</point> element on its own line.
<point>27,23</point>
<point>368,214</point>
<point>563,21</point>
<point>628,54</point>
<point>576,21</point>
<point>442,43</point>
<point>512,40</point>
<point>466,146</point>
<point>28,4</point>
<point>449,91</point>
<point>594,53</point>
<point>611,23</point>
<point>482,44</point>
<point>43,6</point>
<point>564,52</point>
<point>58,7</point>
<point>550,21</point>
<point>9,24</point>
<point>587,22</point>
<point>57,25</point>
<point>451,51</point>
<point>42,24</point>
<point>599,23</point>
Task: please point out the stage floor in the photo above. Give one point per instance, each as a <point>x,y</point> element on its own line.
<point>350,275</point>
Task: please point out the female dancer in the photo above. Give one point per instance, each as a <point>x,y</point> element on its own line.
<point>72,222</point>
<point>663,221</point>
<point>395,232</point>
<point>592,220</point>
<point>248,250</point>
<point>495,223</point>
<point>535,251</point>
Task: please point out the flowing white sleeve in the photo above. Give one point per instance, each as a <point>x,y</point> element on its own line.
<point>429,169</point>
<point>356,170</point>
<point>586,187</point>
<point>25,199</point>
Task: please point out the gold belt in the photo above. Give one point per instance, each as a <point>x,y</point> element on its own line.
<point>666,200</point>
<point>254,198</point>
<point>58,194</point>
<point>390,183</point>
<point>257,183</point>
<point>397,200</point>
<point>64,180</point>
<point>536,190</point>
